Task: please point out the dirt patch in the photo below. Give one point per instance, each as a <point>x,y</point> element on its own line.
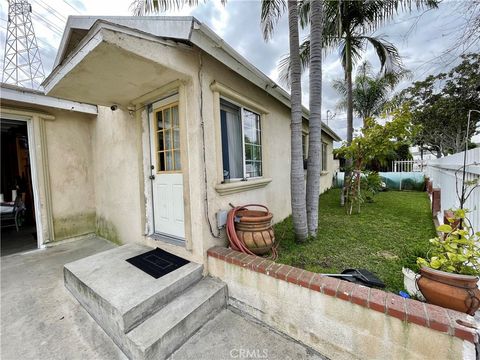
<point>386,255</point>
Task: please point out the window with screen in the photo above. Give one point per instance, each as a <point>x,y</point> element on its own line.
<point>241,142</point>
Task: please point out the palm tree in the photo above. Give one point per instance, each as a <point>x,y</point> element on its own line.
<point>315,121</point>
<point>347,25</point>
<point>272,10</point>
<point>370,92</point>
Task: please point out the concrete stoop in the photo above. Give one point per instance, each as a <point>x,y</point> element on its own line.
<point>147,318</point>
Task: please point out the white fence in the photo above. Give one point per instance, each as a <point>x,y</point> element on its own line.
<point>442,173</point>
<point>408,165</point>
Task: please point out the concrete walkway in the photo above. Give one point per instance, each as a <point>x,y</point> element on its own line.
<point>40,319</point>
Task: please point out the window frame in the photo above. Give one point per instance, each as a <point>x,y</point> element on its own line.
<point>242,109</point>
<point>324,157</point>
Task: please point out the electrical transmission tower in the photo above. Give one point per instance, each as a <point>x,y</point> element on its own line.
<point>22,65</point>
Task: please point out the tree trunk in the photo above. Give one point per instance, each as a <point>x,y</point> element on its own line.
<point>315,122</point>
<point>297,178</point>
<point>348,80</point>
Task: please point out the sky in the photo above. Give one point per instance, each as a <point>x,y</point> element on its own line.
<point>422,38</point>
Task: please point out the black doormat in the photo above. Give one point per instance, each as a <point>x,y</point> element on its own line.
<point>157,262</point>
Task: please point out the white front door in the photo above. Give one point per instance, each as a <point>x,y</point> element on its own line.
<point>167,169</point>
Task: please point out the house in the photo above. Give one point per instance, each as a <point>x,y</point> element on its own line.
<point>149,128</point>
<point>162,126</point>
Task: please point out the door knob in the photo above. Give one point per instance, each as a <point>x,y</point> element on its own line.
<point>152,177</point>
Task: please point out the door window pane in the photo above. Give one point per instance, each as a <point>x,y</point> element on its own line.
<point>176,139</point>
<point>161,161</point>
<point>168,161</point>
<point>159,121</point>
<point>168,139</point>
<point>167,114</point>
<point>176,122</point>
<point>178,163</point>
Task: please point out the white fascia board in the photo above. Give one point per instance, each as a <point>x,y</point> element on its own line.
<point>174,27</point>
<point>87,45</point>
<point>34,98</point>
<point>97,34</point>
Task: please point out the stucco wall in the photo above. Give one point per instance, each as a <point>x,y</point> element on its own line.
<point>334,327</point>
<point>275,147</point>
<point>118,195</point>
<point>70,165</point>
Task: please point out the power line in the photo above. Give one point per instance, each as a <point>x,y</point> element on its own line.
<point>66,2</point>
<point>49,24</point>
<point>51,10</point>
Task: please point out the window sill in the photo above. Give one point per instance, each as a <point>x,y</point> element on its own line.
<point>240,186</point>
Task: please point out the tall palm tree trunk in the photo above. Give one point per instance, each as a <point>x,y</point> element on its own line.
<point>297,179</point>
<point>348,80</point>
<point>315,121</point>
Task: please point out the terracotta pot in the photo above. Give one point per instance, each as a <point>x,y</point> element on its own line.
<point>255,230</point>
<point>453,291</point>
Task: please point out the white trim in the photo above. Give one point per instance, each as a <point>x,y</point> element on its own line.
<point>244,157</point>
<point>29,97</point>
<point>147,171</point>
<point>240,186</point>
<point>33,170</point>
<point>165,101</point>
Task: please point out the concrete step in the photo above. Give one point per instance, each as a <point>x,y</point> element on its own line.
<point>164,332</point>
<point>120,296</point>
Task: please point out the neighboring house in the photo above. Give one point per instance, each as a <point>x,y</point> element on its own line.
<point>417,154</point>
<point>184,126</point>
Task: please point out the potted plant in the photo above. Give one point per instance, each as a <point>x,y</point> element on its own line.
<point>449,273</point>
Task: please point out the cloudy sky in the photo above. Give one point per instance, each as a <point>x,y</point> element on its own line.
<point>422,38</point>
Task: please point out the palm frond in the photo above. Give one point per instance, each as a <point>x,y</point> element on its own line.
<point>284,63</point>
<point>145,7</point>
<point>390,60</point>
<point>272,11</point>
<point>304,13</point>
<point>357,47</point>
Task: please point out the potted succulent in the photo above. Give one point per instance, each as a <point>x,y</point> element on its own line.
<point>449,273</point>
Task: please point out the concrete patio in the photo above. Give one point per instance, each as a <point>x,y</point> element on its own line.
<point>42,320</point>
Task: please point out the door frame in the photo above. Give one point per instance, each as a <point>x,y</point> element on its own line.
<point>34,171</point>
<point>169,100</point>
<point>143,107</point>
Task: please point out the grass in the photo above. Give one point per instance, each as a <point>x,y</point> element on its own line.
<point>388,234</point>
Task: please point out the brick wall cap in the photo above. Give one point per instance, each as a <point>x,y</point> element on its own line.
<point>448,321</point>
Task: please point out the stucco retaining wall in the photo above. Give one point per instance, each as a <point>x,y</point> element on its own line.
<point>337,318</point>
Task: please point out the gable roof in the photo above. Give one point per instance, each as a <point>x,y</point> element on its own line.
<point>181,29</point>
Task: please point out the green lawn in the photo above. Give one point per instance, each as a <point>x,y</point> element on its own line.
<point>386,235</point>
